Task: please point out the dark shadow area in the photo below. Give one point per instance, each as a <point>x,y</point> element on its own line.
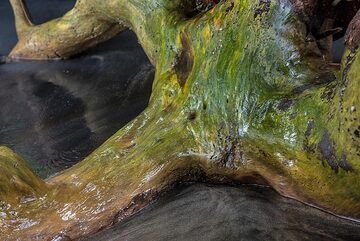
<point>219,213</point>
<point>56,113</point>
<point>327,22</point>
<point>338,50</point>
<point>8,36</point>
<point>192,8</point>
<point>43,11</point>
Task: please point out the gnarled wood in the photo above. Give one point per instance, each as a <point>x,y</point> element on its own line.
<point>76,31</point>
<point>247,101</point>
<point>352,37</point>
<point>22,18</point>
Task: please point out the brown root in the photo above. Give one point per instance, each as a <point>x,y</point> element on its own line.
<point>327,21</point>
<point>352,36</point>
<point>22,17</point>
<point>79,29</point>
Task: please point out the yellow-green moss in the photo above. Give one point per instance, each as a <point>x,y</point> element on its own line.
<point>251,104</point>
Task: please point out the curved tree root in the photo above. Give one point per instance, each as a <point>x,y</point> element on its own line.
<point>352,37</point>
<point>78,30</point>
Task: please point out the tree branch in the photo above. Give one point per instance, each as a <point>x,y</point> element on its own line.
<point>77,30</point>
<point>87,24</point>
<point>352,36</point>
<point>22,17</point>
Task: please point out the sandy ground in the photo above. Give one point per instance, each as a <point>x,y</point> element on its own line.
<point>56,113</point>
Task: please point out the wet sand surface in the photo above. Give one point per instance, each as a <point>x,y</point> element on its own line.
<point>220,213</point>
<point>55,113</point>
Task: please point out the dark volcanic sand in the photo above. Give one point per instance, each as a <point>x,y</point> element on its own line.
<point>56,113</point>
<point>220,213</point>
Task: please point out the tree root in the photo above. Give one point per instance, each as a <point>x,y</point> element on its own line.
<point>248,105</point>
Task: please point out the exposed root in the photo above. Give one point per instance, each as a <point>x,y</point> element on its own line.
<point>327,21</point>
<point>76,31</point>
<point>352,37</point>
<point>22,17</point>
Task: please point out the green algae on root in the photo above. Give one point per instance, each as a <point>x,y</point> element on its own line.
<point>237,97</point>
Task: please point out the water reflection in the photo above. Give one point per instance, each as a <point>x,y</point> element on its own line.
<point>55,113</point>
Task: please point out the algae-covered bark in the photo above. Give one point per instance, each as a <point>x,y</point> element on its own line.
<point>80,28</point>
<point>238,96</point>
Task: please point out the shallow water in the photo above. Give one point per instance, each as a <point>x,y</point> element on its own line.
<point>248,213</point>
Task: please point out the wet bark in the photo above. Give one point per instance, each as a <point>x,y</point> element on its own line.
<point>352,37</point>
<point>236,98</point>
<point>80,29</point>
